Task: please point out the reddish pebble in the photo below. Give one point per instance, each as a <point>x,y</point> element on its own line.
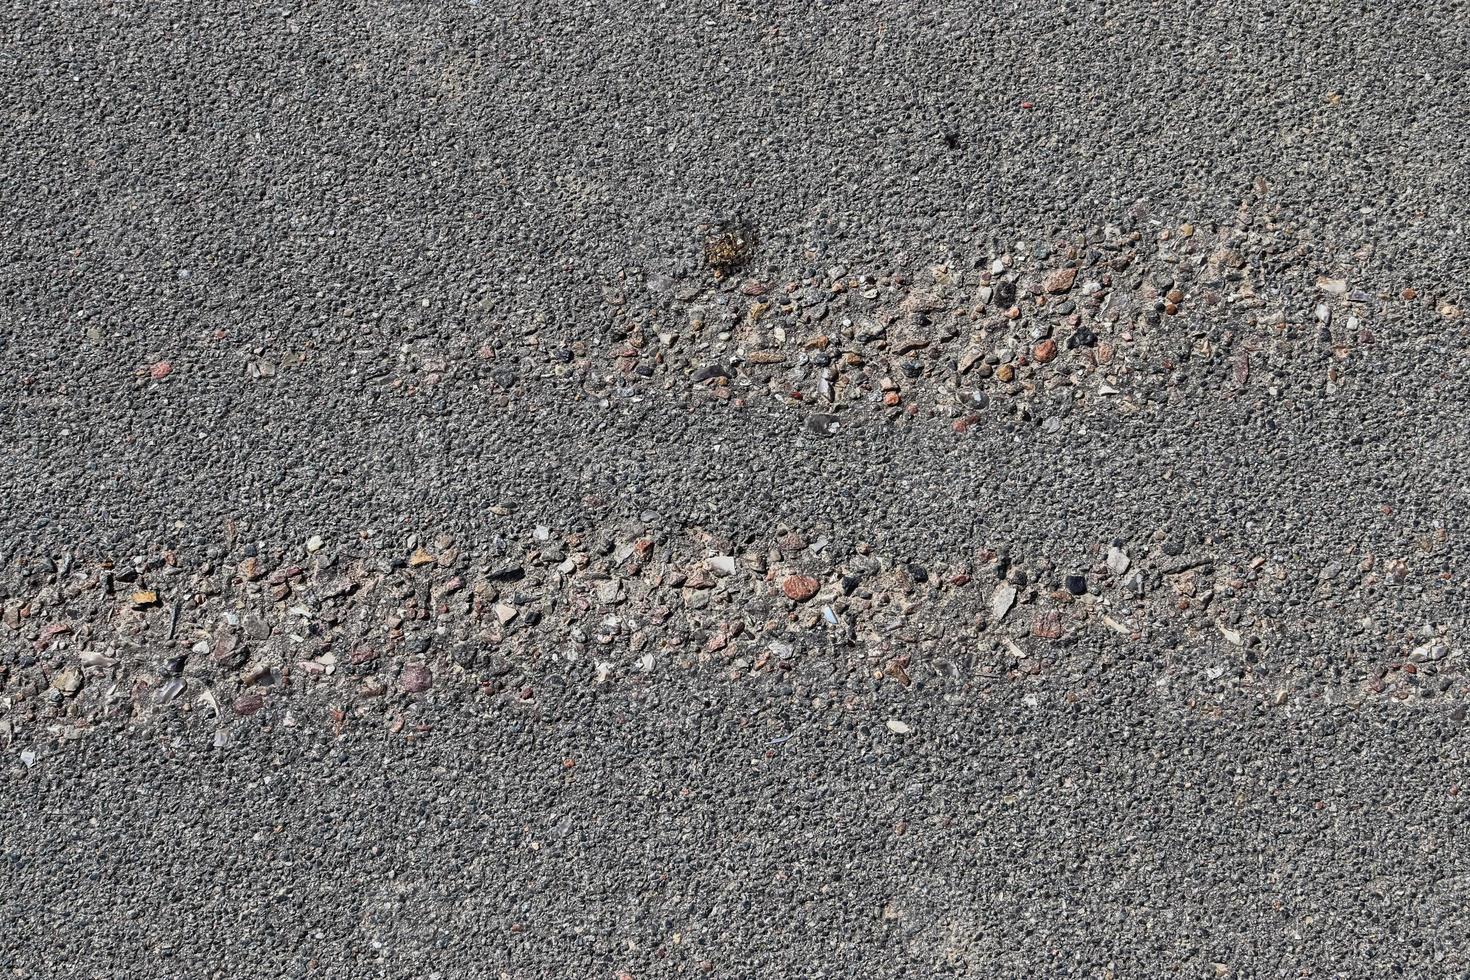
<point>248,704</point>
<point>1047,625</point>
<point>891,399</point>
<point>161,370</point>
<point>1059,281</point>
<point>1045,351</point>
<point>415,678</point>
<point>800,588</point>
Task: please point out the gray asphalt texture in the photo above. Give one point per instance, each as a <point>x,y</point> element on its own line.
<point>337,190</point>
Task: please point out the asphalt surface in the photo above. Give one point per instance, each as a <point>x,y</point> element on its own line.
<point>329,287</point>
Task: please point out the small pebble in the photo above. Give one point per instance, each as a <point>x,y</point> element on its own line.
<point>800,588</point>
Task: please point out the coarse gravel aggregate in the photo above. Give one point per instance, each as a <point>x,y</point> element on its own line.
<point>813,490</point>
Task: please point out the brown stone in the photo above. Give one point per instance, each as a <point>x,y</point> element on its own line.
<point>415,678</point>
<point>791,543</point>
<point>1059,281</point>
<point>248,704</point>
<point>800,588</point>
<point>1047,625</point>
<point>1045,351</point>
<point>68,680</point>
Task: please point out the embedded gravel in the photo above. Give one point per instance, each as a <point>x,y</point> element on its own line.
<point>838,489</point>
